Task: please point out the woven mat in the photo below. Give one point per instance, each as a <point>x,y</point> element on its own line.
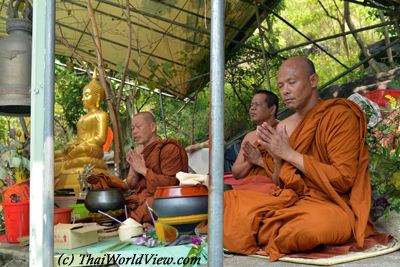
<point>376,250</point>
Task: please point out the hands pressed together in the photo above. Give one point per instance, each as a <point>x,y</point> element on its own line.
<point>252,154</point>
<point>136,161</point>
<point>276,141</point>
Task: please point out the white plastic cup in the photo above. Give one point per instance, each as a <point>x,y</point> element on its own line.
<point>125,232</point>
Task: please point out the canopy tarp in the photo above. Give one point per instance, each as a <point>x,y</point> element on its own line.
<point>170,38</point>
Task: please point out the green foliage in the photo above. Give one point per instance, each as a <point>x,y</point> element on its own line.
<point>68,97</point>
<point>175,120</point>
<point>315,22</point>
<point>374,14</point>
<point>8,128</point>
<point>3,130</point>
<point>245,71</point>
<point>14,160</point>
<point>197,251</point>
<point>384,146</point>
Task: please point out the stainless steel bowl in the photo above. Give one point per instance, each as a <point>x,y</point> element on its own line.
<point>104,200</point>
<point>180,206</point>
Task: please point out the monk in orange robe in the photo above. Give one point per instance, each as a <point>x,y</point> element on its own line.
<point>321,160</point>
<point>249,166</point>
<point>153,163</point>
<point>249,162</point>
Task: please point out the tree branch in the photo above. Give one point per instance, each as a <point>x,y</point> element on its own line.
<point>387,38</point>
<point>110,104</point>
<point>178,130</point>
<point>74,53</point>
<point>372,62</point>
<point>326,11</point>
<point>128,53</point>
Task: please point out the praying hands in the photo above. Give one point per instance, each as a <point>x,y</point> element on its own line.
<point>277,143</point>
<point>136,161</point>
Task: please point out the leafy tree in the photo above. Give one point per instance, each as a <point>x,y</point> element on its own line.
<point>245,71</point>
<point>68,96</point>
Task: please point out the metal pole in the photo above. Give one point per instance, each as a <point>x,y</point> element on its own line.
<point>42,138</point>
<point>263,48</point>
<point>216,201</point>
<point>370,4</point>
<point>308,38</point>
<point>323,87</point>
<point>332,37</point>
<point>162,115</point>
<point>275,53</point>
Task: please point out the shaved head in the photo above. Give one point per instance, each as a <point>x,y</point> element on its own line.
<point>297,83</point>
<point>144,128</point>
<point>147,116</point>
<point>302,62</point>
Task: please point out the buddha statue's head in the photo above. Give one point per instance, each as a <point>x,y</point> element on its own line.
<point>93,94</point>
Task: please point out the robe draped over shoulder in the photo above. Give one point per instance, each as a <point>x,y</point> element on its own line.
<point>164,158</point>
<point>327,204</point>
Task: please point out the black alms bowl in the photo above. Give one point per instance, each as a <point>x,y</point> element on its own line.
<point>104,200</point>
<point>180,206</point>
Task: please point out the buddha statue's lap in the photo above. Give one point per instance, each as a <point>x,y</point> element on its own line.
<point>87,148</point>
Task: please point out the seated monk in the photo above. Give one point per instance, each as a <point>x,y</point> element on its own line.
<point>263,108</point>
<point>250,160</point>
<point>153,163</point>
<point>87,148</point>
<point>322,164</point>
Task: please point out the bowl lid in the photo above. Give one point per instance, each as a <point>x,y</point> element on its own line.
<point>181,191</point>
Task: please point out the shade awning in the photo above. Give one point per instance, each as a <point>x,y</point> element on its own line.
<point>170,38</point>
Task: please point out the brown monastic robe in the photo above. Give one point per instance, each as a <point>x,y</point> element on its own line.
<point>327,204</point>
<point>164,158</point>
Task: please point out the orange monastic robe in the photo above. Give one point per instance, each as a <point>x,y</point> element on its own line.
<point>327,204</point>
<point>164,158</point>
<point>257,170</point>
<point>258,179</point>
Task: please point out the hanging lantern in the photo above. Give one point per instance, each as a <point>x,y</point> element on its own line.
<point>15,60</point>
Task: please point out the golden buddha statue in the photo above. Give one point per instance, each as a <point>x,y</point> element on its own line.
<point>87,148</point>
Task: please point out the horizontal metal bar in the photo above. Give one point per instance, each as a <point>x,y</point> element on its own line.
<point>358,64</point>
<point>369,4</point>
<point>147,14</point>
<point>162,32</point>
<point>141,25</point>
<point>116,43</point>
<point>194,14</point>
<point>332,37</point>
<point>172,92</point>
<point>115,79</point>
<point>308,38</point>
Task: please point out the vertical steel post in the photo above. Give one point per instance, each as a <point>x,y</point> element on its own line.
<point>42,135</point>
<point>162,115</point>
<point>216,201</point>
<point>262,36</point>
